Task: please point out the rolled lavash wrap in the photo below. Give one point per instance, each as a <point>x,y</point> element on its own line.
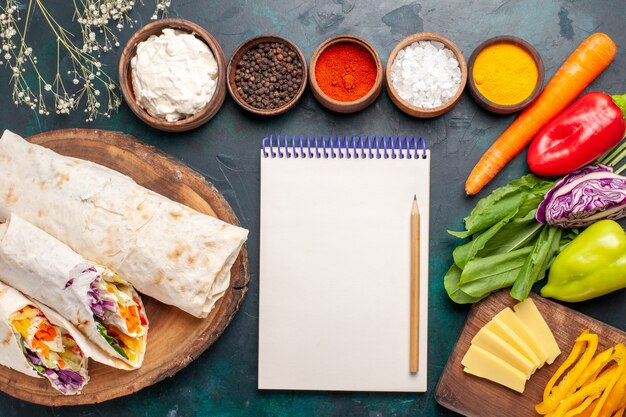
<point>38,342</point>
<point>104,307</point>
<point>164,249</point>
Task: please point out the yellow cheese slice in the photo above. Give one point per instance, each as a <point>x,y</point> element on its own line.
<point>489,341</point>
<point>528,313</point>
<point>505,333</point>
<point>508,317</point>
<point>477,361</point>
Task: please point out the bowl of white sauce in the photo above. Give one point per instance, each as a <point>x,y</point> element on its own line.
<point>173,75</point>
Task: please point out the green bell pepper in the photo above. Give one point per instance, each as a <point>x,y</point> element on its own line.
<point>592,265</point>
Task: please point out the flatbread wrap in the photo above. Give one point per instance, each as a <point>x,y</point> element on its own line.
<point>102,306</point>
<point>164,249</point>
<point>40,344</point>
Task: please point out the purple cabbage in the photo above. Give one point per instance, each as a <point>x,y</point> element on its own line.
<point>70,378</point>
<point>95,302</point>
<point>583,197</point>
<point>66,380</point>
<point>34,359</point>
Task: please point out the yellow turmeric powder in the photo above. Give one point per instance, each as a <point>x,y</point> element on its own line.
<point>505,73</point>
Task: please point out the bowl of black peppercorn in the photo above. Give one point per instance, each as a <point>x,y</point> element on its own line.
<point>267,75</point>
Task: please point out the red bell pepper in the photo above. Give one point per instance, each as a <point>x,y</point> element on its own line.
<point>584,131</point>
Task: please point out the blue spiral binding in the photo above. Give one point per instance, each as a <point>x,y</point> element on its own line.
<point>364,147</point>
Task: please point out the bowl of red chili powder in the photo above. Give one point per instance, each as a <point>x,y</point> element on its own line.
<point>346,74</point>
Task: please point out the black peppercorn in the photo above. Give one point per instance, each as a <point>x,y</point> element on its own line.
<point>269,75</point>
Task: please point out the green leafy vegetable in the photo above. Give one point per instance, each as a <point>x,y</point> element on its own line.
<point>110,340</point>
<point>502,201</point>
<point>451,284</point>
<point>518,233</point>
<point>537,263</point>
<point>464,253</point>
<point>509,247</point>
<point>482,276</point>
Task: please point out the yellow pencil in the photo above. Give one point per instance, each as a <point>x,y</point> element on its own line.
<point>415,286</point>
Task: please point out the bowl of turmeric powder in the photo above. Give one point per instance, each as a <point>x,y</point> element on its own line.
<point>346,74</point>
<point>506,74</point>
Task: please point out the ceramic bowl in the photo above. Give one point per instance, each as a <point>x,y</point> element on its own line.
<point>346,106</point>
<point>409,108</point>
<point>232,69</point>
<point>125,76</point>
<point>499,108</point>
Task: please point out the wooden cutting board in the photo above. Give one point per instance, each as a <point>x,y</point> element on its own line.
<point>474,397</point>
<point>175,337</point>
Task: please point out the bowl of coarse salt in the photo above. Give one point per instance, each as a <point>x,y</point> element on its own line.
<point>426,74</point>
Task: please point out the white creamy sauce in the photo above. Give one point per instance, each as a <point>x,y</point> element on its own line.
<point>174,75</point>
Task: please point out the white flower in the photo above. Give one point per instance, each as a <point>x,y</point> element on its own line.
<point>47,87</point>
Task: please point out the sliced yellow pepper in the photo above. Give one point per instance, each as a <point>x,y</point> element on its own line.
<point>589,403</point>
<point>619,356</point>
<point>577,350</point>
<point>596,366</point>
<point>593,390</point>
<point>558,394</point>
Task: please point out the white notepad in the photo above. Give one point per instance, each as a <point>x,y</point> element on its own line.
<point>335,264</point>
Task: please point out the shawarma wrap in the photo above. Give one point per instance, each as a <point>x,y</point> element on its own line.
<point>102,306</point>
<point>164,249</point>
<point>36,341</point>
<point>39,343</point>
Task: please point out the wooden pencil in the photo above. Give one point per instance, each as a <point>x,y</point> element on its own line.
<point>415,286</point>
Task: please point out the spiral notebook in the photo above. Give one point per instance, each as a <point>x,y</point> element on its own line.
<point>335,262</point>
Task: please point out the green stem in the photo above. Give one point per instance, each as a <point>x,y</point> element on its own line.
<point>620,101</point>
<point>620,169</point>
<point>617,155</point>
<point>609,157</point>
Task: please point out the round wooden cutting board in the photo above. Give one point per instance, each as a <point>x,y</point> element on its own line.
<point>175,338</point>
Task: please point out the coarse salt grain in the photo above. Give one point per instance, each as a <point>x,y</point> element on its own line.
<point>426,74</point>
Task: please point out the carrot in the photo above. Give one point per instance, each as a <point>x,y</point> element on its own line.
<point>582,66</point>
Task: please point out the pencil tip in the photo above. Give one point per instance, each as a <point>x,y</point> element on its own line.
<point>414,197</point>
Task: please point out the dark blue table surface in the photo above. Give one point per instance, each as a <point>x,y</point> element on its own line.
<point>222,382</point>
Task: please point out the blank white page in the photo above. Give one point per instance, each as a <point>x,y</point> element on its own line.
<point>335,273</point>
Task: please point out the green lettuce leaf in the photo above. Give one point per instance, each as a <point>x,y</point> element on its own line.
<point>110,340</point>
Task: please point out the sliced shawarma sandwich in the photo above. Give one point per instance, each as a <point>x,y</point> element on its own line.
<point>40,344</point>
<point>102,305</point>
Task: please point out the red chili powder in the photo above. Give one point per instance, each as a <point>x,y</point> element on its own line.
<point>345,71</point>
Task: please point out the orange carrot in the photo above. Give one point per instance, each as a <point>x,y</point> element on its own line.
<point>582,66</point>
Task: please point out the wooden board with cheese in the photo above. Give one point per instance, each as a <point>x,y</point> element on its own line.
<point>467,394</point>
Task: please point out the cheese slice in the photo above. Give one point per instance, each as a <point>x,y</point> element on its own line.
<point>508,317</point>
<point>477,361</point>
<point>489,341</point>
<point>528,313</point>
<point>505,333</point>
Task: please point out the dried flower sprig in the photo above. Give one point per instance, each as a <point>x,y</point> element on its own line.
<point>88,80</point>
